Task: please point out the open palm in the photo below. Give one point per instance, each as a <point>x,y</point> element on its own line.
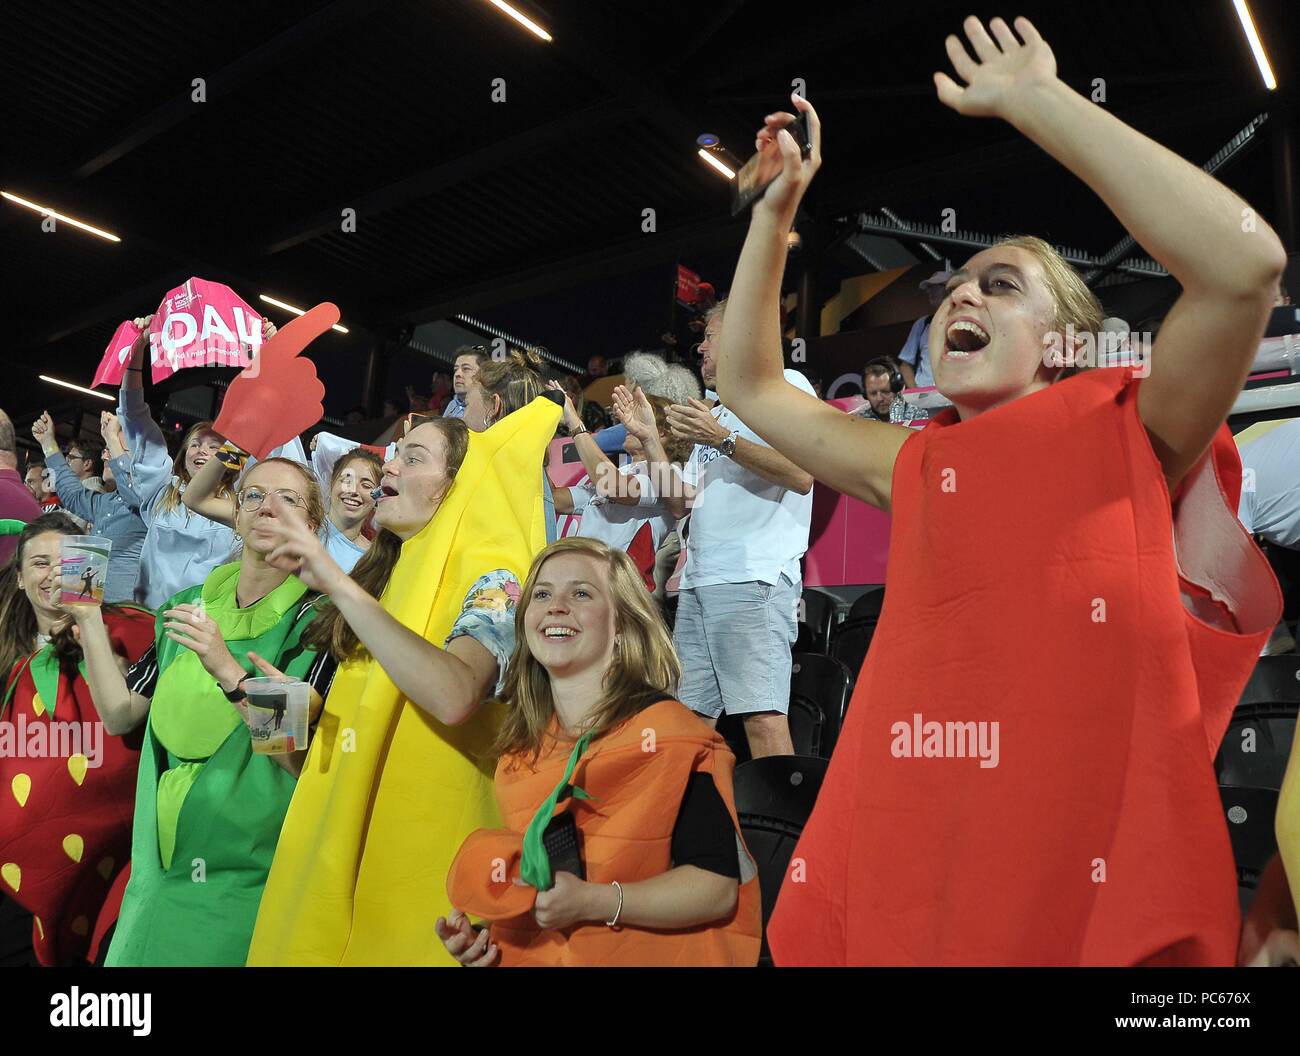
<point>1003,69</point>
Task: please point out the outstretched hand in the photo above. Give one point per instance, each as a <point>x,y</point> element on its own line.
<point>1001,74</point>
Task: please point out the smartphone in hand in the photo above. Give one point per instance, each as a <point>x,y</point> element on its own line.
<point>755,175</point>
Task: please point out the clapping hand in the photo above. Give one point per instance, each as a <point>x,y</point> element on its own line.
<point>694,421</point>
<point>635,412</point>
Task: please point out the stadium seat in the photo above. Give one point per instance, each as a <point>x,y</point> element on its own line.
<point>1256,748</point>
<point>1250,827</point>
<point>867,606</point>
<point>819,692</point>
<point>774,797</point>
<point>816,621</point>
<point>852,638</point>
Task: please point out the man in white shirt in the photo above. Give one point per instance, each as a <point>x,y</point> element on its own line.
<point>751,508</point>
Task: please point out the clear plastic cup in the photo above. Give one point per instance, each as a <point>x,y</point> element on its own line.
<point>83,567</point>
<point>277,714</point>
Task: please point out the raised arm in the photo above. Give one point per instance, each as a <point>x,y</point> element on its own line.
<point>600,467</point>
<point>849,454</point>
<point>73,495</point>
<point>447,683</point>
<point>149,468</point>
<point>200,494</point>
<point>1227,260</point>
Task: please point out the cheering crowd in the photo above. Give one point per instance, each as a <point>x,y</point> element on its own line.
<point>512,759</point>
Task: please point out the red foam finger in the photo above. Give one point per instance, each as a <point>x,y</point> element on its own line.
<point>279,396</point>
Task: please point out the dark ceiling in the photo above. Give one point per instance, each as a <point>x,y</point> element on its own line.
<point>464,204</point>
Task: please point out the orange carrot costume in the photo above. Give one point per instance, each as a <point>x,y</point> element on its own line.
<point>1039,580</point>
<point>634,779</point>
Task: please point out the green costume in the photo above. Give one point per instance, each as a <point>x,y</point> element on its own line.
<point>207,810</point>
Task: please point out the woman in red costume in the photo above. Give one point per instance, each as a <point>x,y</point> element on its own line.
<point>1025,774</point>
<point>67,789</point>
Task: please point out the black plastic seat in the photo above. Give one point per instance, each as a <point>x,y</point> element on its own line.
<point>1250,813</point>
<point>819,693</point>
<point>867,606</point>
<point>774,798</point>
<point>1257,746</point>
<point>853,637</point>
<point>816,621</point>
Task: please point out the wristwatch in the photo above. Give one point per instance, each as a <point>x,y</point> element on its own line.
<point>728,446</point>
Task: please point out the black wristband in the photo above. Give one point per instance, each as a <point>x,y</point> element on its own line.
<point>237,694</point>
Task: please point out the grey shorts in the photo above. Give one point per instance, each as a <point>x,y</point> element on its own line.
<point>734,643</point>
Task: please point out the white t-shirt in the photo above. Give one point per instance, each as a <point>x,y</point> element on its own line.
<point>1270,487</point>
<point>743,527</point>
<point>616,524</point>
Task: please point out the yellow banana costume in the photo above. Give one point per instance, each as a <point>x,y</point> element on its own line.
<point>388,794</point>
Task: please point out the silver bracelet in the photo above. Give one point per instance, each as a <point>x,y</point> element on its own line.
<point>614,922</point>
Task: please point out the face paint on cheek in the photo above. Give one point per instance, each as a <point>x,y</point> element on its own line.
<point>348,480</point>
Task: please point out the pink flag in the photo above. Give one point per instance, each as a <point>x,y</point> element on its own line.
<point>113,365</point>
<point>203,324</point>
<point>200,324</point>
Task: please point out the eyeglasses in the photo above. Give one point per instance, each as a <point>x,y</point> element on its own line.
<point>251,499</point>
<point>69,457</point>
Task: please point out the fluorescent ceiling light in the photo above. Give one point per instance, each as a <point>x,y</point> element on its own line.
<point>1256,45</point>
<point>522,19</point>
<point>296,311</point>
<point>45,210</point>
<point>712,160</point>
<point>69,385</point>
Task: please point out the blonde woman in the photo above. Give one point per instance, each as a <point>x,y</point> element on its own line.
<point>1073,607</point>
<point>651,821</point>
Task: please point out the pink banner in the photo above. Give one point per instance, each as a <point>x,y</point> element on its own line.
<point>199,324</point>
<point>113,364</point>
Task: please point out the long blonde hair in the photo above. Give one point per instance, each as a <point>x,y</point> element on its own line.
<point>171,494</point>
<point>644,669</point>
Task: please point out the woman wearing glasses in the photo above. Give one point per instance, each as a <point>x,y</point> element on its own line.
<point>349,480</point>
<point>208,811</point>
